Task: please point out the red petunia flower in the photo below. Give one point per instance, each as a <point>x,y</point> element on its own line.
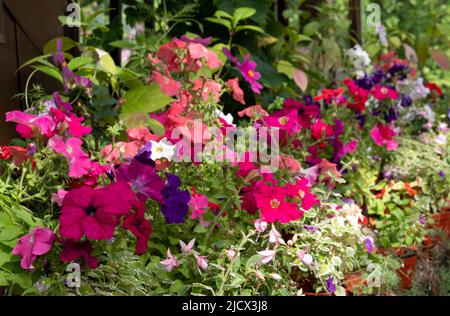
<point>139,226</point>
<point>94,213</point>
<point>75,249</point>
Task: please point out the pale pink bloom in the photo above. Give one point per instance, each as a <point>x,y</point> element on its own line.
<point>275,236</point>
<point>231,254</point>
<point>267,255</point>
<point>187,248</point>
<point>36,243</point>
<point>275,276</point>
<point>306,258</point>
<point>260,225</point>
<point>202,263</point>
<point>260,276</point>
<point>171,262</point>
<point>58,197</point>
<point>311,174</point>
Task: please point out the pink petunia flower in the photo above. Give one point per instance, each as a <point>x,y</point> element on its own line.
<point>79,162</point>
<point>94,213</point>
<point>267,255</point>
<point>233,86</point>
<point>187,248</point>
<point>253,111</point>
<point>384,135</point>
<point>36,243</point>
<point>72,122</point>
<point>271,201</point>
<point>58,197</point>
<point>202,263</point>
<point>300,191</point>
<point>260,225</point>
<point>30,125</point>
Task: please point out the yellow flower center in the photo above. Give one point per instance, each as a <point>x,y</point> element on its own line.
<point>301,193</point>
<point>275,203</point>
<point>384,90</point>
<point>159,149</point>
<point>251,74</point>
<point>283,120</point>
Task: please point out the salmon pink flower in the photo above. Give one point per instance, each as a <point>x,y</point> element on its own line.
<point>253,111</point>
<point>73,250</point>
<point>233,86</point>
<point>94,213</point>
<point>36,243</point>
<point>139,226</point>
<point>17,154</point>
<point>171,262</point>
<point>384,135</point>
<point>167,84</point>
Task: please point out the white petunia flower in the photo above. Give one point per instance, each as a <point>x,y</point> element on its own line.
<point>162,149</point>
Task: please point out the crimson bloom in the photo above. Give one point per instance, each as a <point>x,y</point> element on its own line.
<point>94,213</point>
<point>301,191</point>
<point>139,226</point>
<point>76,249</point>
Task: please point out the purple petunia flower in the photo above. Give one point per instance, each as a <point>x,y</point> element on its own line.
<point>198,40</point>
<point>368,243</point>
<point>442,174</point>
<point>422,219</point>
<point>391,116</point>
<point>143,156</point>
<point>406,101</point>
<point>143,179</point>
<point>175,205</point>
<point>310,228</point>
<point>331,287</point>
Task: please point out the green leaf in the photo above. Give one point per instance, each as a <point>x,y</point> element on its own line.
<point>22,279</point>
<point>9,233</point>
<point>122,44</point>
<point>223,22</point>
<point>145,99</point>
<point>50,71</point>
<point>106,62</point>
<point>67,44</point>
<point>243,13</point>
<point>156,127</point>
<point>223,14</point>
<point>249,28</point>
<point>25,215</point>
<point>129,78</point>
<point>79,62</point>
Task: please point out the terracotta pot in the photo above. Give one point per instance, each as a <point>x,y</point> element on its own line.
<point>442,221</point>
<point>354,282</point>
<point>406,273</point>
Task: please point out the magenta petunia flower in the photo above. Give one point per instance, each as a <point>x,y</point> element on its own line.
<point>30,125</point>
<point>36,243</point>
<point>274,207</point>
<point>76,249</point>
<point>384,135</point>
<point>143,180</point>
<point>301,191</point>
<point>381,93</point>
<point>94,213</point>
<point>248,70</point>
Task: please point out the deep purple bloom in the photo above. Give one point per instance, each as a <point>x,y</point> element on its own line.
<point>144,154</point>
<point>365,83</point>
<point>377,77</point>
<point>442,174</point>
<point>368,243</point>
<point>362,120</point>
<point>391,116</point>
<point>58,57</point>
<point>175,205</point>
<point>406,101</point>
<point>338,150</point>
<point>348,200</point>
<point>330,285</point>
<point>143,180</point>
